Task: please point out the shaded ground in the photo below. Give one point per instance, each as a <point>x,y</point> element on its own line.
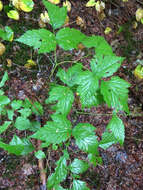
<point>122,167</point>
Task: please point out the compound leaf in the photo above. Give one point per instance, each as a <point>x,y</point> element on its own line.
<point>56,131</point>
<point>79,185</point>
<point>64,96</point>
<point>68,38</point>
<point>115,93</point>
<point>85,138</point>
<point>78,166</point>
<point>56,14</point>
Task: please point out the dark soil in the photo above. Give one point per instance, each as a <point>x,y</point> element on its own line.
<point>122,167</point>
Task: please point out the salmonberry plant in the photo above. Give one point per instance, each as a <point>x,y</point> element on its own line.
<point>93,86</point>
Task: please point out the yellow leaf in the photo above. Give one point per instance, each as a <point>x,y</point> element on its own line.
<point>2,49</point>
<point>30,63</point>
<point>101,15</point>
<point>125,0</point>
<point>45,17</point>
<point>54,1</point>
<point>138,72</point>
<point>9,62</point>
<point>100,6</point>
<point>1,5</point>
<point>68,5</point>
<point>26,5</point>
<point>66,21</point>
<point>90,3</point>
<point>16,4</point>
<point>134,25</point>
<point>13,14</point>
<point>80,21</point>
<point>41,24</point>
<point>107,30</point>
<point>139,14</point>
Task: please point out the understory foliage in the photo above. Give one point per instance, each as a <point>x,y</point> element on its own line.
<point>93,86</point>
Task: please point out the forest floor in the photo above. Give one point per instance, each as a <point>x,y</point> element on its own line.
<point>122,167</point>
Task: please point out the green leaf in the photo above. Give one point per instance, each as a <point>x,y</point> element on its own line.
<point>25,112</point>
<point>70,76</point>
<point>58,187</point>
<point>1,92</point>
<point>78,166</point>
<point>13,149</point>
<point>64,96</point>
<point>4,126</point>
<point>87,89</point>
<point>56,14</point>
<point>56,131</point>
<point>60,172</point>
<point>107,140</point>
<point>85,138</point>
<point>79,185</point>
<point>22,123</point>
<point>16,104</point>
<point>68,38</point>
<point>25,143</point>
<point>4,79</point>
<point>40,154</point>
<point>41,39</point>
<point>4,100</point>
<point>105,66</point>
<point>10,114</point>
<point>37,108</point>
<point>115,93</point>
<point>116,126</point>
<point>7,34</point>
<point>100,44</point>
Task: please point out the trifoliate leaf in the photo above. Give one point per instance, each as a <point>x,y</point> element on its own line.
<point>4,79</point>
<point>79,185</point>
<point>56,14</point>
<point>42,39</point>
<point>4,126</point>
<point>4,100</point>
<point>13,14</point>
<point>85,138</point>
<point>22,123</point>
<point>70,76</point>
<point>90,3</point>
<point>78,166</point>
<point>68,38</point>
<point>105,66</point>
<point>60,172</point>
<point>56,131</point>
<point>100,44</point>
<point>107,140</point>
<point>116,126</point>
<point>26,5</point>
<point>115,93</point>
<point>27,145</point>
<point>88,85</point>
<point>64,96</point>
<point>40,154</point>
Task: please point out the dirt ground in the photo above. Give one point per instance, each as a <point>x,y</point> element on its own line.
<point>122,167</point>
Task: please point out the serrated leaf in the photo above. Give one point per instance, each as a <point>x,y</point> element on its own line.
<point>85,138</point>
<point>40,154</point>
<point>60,172</point>
<point>70,76</point>
<point>107,140</point>
<point>4,126</point>
<point>4,100</point>
<point>115,93</point>
<point>41,39</point>
<point>117,128</point>
<point>88,85</point>
<point>4,79</point>
<point>56,131</point>
<point>16,104</point>
<point>37,108</point>
<point>25,143</point>
<point>57,15</point>
<point>64,96</point>
<point>95,159</point>
<point>105,66</point>
<point>68,38</point>
<point>78,166</point>
<point>79,185</point>
<point>25,112</point>
<point>101,45</point>
<point>58,187</point>
<point>22,123</point>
